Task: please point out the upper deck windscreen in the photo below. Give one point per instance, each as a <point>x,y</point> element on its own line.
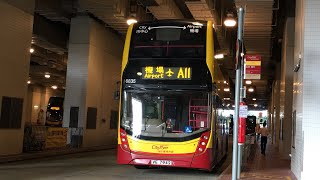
<point>168,39</point>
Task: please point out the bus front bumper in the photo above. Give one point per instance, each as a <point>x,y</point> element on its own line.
<point>201,161</point>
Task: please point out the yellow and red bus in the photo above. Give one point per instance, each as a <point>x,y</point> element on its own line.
<point>170,110</point>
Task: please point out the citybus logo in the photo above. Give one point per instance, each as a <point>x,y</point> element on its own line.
<point>160,147</point>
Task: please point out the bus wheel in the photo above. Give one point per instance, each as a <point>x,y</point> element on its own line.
<point>141,166</point>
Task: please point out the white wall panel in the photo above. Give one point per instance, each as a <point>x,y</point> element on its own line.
<point>306,90</point>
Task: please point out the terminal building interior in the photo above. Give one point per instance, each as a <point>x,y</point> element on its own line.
<point>64,93</point>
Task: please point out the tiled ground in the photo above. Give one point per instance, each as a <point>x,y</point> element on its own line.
<point>265,167</point>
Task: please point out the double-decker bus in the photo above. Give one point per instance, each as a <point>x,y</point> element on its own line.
<point>54,114</point>
<point>170,112</point>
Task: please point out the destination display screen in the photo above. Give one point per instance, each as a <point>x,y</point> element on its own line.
<point>168,40</point>
<point>166,73</point>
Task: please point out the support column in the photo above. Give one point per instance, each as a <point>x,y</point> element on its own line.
<point>16,33</point>
<point>306,96</point>
<point>276,107</point>
<point>94,66</point>
<point>286,89</point>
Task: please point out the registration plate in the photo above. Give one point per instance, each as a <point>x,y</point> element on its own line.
<point>161,162</point>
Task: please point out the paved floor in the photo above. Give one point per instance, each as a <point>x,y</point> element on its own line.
<point>94,166</point>
<point>266,167</point>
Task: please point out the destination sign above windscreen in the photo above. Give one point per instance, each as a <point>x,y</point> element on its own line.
<point>191,28</point>
<point>166,73</point>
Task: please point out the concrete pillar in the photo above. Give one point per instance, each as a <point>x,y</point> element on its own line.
<point>306,97</point>
<point>93,71</point>
<point>276,106</point>
<point>286,89</point>
<point>16,33</point>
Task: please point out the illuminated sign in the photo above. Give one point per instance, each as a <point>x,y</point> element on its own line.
<point>170,73</point>
<point>252,67</point>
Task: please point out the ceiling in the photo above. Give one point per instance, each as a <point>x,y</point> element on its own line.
<point>261,21</point>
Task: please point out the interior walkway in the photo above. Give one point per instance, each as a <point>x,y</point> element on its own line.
<point>266,167</point>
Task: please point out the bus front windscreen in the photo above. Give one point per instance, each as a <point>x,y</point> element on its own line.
<point>156,114</point>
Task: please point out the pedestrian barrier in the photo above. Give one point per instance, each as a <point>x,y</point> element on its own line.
<point>40,138</point>
<point>248,149</point>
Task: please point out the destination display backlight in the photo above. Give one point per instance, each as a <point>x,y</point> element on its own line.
<point>166,73</point>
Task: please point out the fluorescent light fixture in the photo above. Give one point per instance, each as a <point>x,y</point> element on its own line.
<point>226,98</point>
<point>255,105</point>
<point>226,89</point>
<point>54,87</point>
<point>248,82</point>
<point>219,56</point>
<point>47,76</point>
<point>31,50</point>
<point>233,106</point>
<point>254,99</point>
<point>251,89</point>
<point>131,20</point>
<point>35,107</point>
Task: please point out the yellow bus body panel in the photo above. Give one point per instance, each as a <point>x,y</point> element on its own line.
<point>125,57</point>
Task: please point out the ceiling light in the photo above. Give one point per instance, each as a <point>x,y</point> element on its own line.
<point>254,99</point>
<point>248,82</point>
<point>139,73</point>
<point>226,98</point>
<point>230,21</point>
<point>213,25</point>
<point>219,56</point>
<point>131,20</point>
<point>47,76</point>
<point>225,82</point>
<point>233,106</point>
<point>226,89</point>
<point>54,87</point>
<point>29,82</point>
<point>31,50</point>
<point>255,105</point>
<point>251,89</point>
